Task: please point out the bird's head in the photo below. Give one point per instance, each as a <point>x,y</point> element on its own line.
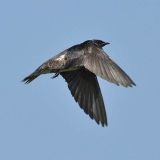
<point>99,43</point>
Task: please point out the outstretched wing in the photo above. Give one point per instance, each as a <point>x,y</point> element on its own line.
<point>85,89</point>
<point>99,63</point>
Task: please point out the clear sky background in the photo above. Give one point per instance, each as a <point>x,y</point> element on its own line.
<point>41,120</point>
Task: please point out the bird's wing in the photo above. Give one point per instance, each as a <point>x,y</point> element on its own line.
<point>99,63</point>
<point>85,89</point>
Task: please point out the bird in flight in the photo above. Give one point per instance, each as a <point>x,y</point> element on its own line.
<point>79,65</point>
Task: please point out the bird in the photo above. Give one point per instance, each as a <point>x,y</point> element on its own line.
<point>80,65</point>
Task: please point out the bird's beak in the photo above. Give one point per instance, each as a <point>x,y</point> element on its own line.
<point>105,43</point>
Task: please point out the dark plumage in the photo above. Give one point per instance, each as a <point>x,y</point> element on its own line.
<point>79,66</point>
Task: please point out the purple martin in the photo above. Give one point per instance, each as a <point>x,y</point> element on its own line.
<point>79,65</point>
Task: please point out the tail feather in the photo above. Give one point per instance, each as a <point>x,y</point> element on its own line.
<point>30,78</point>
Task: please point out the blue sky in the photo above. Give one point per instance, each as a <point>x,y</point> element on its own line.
<point>41,120</point>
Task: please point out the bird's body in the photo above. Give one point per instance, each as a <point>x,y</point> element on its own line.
<point>79,65</point>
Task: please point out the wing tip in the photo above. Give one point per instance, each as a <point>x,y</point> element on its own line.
<point>102,123</point>
<point>105,124</point>
<point>131,84</point>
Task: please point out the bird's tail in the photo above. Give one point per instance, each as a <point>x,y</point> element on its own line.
<point>31,77</point>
